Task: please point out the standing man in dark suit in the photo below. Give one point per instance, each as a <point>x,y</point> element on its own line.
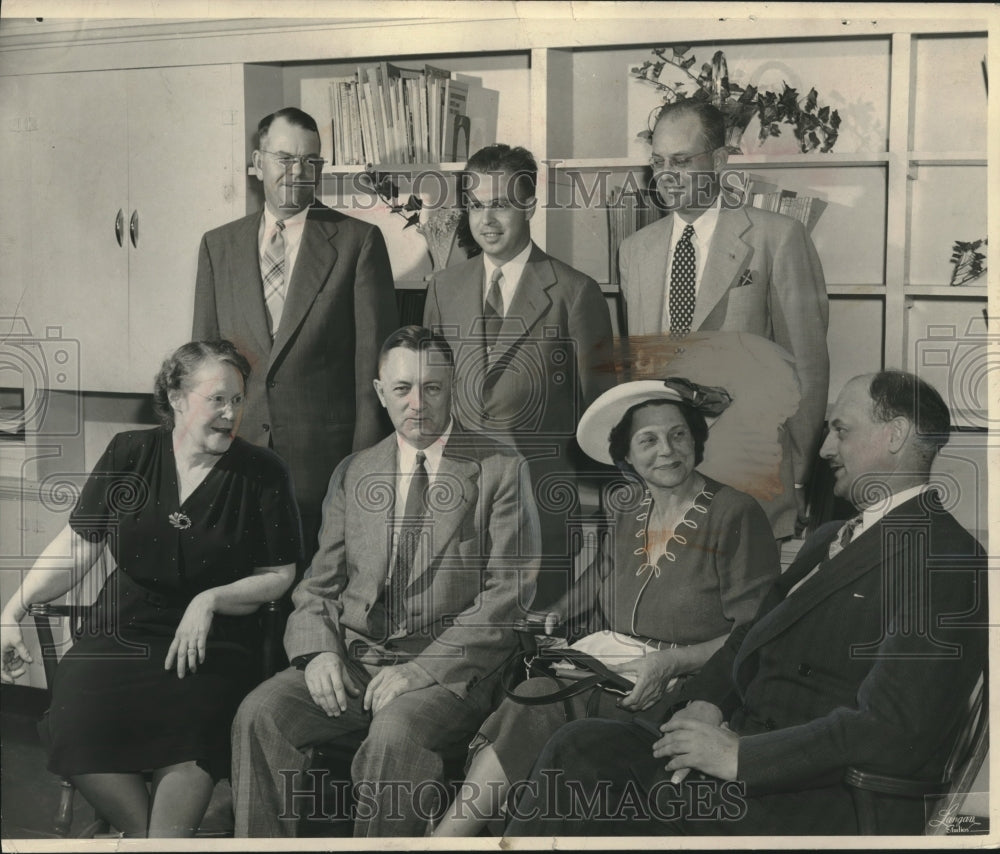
<point>529,333</point>
<point>306,294</point>
<point>863,654</point>
<point>403,620</point>
<point>713,265</point>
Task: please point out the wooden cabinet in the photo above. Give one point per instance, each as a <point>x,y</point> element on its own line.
<point>121,172</point>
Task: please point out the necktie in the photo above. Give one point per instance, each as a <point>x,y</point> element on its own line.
<point>493,310</point>
<point>846,535</point>
<point>409,542</point>
<point>837,545</point>
<point>272,269</point>
<point>682,285</point>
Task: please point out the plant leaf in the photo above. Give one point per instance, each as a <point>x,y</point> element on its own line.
<point>413,219</point>
<point>680,49</point>
<point>687,63</point>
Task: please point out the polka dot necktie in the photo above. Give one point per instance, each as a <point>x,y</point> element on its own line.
<point>493,310</point>
<point>408,543</point>
<point>682,285</point>
<point>272,270</point>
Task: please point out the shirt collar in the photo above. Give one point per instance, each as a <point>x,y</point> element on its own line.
<point>294,221</point>
<point>512,269</point>
<point>433,452</point>
<point>704,226</point>
<point>874,514</point>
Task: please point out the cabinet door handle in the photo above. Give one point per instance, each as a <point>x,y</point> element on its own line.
<point>119,222</point>
<point>133,228</point>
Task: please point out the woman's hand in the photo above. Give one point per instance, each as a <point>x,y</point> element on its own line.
<point>13,653</point>
<point>191,638</point>
<point>654,671</point>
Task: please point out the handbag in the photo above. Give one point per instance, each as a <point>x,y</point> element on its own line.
<point>537,659</point>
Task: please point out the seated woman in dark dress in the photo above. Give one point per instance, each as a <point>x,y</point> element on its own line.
<point>688,559</point>
<point>203,528</point>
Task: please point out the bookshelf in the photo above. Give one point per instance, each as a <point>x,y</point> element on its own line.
<point>906,178</point>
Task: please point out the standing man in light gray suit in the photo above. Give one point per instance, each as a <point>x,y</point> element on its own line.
<point>306,294</point>
<point>403,620</point>
<point>711,265</point>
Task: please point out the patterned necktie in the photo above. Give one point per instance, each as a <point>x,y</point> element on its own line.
<point>493,310</point>
<point>682,285</point>
<point>408,543</point>
<point>845,536</point>
<point>272,269</point>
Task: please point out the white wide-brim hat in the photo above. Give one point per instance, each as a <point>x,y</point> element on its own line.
<point>604,414</point>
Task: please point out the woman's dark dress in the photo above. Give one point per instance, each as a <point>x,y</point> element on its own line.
<point>115,708</point>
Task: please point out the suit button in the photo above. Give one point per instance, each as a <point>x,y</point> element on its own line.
<point>805,669</point>
<point>485,416</point>
<point>489,349</point>
<point>367,607</point>
<point>265,427</point>
<point>272,383</point>
<point>769,724</point>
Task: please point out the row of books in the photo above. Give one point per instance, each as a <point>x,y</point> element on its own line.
<point>388,114</point>
<point>786,202</point>
<point>628,211</point>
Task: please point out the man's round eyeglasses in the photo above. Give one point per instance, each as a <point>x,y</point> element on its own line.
<point>288,160</point>
<point>659,163</point>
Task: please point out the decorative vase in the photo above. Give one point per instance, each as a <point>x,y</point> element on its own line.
<point>439,229</point>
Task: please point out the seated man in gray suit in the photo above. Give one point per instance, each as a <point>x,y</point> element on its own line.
<point>863,653</point>
<point>403,619</point>
<point>530,335</point>
<point>713,265</point>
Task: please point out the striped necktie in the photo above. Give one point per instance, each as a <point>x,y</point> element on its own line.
<point>845,536</point>
<point>408,543</point>
<point>272,270</point>
<point>493,310</point>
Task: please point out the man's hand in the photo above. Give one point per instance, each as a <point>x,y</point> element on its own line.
<point>392,681</point>
<point>696,710</point>
<point>329,683</point>
<point>696,744</point>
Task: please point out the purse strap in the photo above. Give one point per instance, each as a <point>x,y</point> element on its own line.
<point>601,676</point>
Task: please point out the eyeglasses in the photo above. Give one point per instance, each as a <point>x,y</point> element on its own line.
<point>658,163</point>
<point>220,401</point>
<point>288,160</point>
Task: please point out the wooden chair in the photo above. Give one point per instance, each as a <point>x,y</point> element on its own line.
<point>942,797</point>
<point>43,616</point>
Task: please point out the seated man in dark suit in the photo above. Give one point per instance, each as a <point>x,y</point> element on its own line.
<point>402,621</point>
<point>861,655</point>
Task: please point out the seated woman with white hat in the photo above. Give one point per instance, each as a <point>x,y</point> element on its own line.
<point>688,560</point>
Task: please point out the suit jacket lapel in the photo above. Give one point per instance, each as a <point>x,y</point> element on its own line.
<point>316,257</point>
<point>651,276</point>
<point>863,555</point>
<point>377,479</point>
<point>728,254</point>
<point>246,276</point>
<point>530,303</point>
<point>455,487</point>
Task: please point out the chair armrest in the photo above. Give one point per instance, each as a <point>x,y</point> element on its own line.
<point>898,786</point>
<point>270,617</point>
